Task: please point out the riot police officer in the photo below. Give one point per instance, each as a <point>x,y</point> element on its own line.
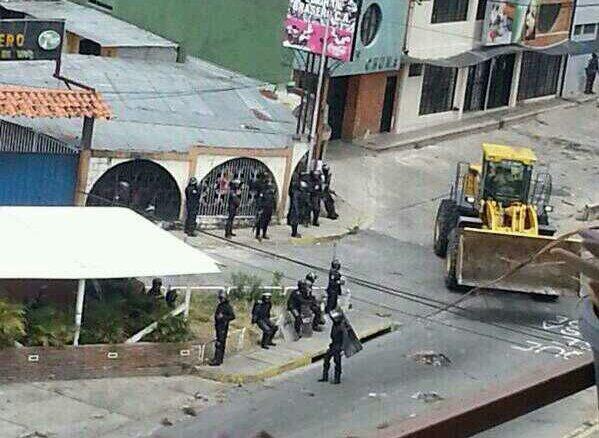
<point>266,206</point>
<point>294,305</point>
<point>305,206</point>
<point>329,202</point>
<point>223,315</point>
<point>261,317</point>
<point>318,319</point>
<point>233,205</point>
<point>295,200</point>
<point>192,206</point>
<point>316,183</point>
<point>335,348</point>
<point>334,286</point>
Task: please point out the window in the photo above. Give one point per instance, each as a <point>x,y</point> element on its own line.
<point>589,29</point>
<point>481,9</point>
<point>101,4</point>
<point>438,87</point>
<point>371,22</point>
<point>445,11</point>
<point>548,15</point>
<point>578,30</point>
<point>415,70</point>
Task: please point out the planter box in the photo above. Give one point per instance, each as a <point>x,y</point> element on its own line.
<point>589,327</point>
<point>97,361</point>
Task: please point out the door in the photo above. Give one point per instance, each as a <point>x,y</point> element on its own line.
<point>476,89</point>
<point>500,85</point>
<point>37,179</point>
<point>337,96</point>
<point>389,104</point>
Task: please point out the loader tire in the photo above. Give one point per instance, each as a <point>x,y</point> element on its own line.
<point>446,219</point>
<point>451,278</point>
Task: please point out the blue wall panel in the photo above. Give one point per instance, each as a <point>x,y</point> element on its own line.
<point>37,179</point>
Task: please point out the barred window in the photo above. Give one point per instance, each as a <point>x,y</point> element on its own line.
<point>438,87</point>
<point>481,9</point>
<point>445,11</point>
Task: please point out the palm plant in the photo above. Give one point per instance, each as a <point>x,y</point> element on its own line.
<point>12,326</point>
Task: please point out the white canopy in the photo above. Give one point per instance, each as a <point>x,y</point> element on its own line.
<point>91,243</point>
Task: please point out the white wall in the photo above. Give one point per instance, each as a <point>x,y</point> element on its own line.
<point>440,40</point>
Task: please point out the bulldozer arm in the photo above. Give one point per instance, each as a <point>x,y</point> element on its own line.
<point>484,256</point>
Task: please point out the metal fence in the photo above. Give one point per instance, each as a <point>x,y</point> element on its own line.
<point>20,139</point>
<point>215,187</point>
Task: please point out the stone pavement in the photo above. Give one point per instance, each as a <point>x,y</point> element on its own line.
<point>258,364</point>
<point>490,120</point>
<point>115,408</point>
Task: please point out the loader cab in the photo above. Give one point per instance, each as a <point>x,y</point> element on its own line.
<point>507,174</point>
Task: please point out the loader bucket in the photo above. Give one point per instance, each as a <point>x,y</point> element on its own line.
<point>484,256</point>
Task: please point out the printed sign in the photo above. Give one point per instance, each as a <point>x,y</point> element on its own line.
<point>534,23</point>
<point>31,40</point>
<point>306,22</point>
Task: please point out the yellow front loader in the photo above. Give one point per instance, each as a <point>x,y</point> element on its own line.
<point>495,218</point>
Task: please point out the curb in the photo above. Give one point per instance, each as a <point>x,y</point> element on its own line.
<point>590,429</point>
<point>361,224</point>
<point>454,132</point>
<point>275,370</point>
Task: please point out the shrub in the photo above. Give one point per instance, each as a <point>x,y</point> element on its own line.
<point>12,326</point>
<point>171,329</point>
<point>245,286</point>
<point>47,326</point>
<point>104,321</point>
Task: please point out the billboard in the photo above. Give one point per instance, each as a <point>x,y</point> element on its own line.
<point>31,40</point>
<point>534,23</point>
<point>306,21</point>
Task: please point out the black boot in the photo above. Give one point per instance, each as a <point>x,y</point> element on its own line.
<point>325,377</point>
<point>337,379</point>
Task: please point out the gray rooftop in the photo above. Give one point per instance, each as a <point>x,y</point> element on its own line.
<point>161,107</point>
<point>90,23</point>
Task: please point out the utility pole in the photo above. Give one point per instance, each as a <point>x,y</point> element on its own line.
<point>319,89</point>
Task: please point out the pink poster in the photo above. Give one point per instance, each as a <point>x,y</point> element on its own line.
<point>305,26</point>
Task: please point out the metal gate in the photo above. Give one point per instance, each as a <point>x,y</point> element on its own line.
<point>35,169</point>
<point>215,187</point>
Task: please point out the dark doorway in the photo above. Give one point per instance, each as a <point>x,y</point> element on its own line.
<point>539,75</point>
<point>337,97</point>
<point>500,85</point>
<point>89,47</point>
<point>388,104</point>
<point>490,83</point>
<point>150,189</point>
<point>476,89</point>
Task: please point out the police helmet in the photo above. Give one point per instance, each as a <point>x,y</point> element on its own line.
<point>311,277</point>
<point>336,264</point>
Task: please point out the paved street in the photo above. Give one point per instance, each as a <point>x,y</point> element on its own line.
<point>489,339</point>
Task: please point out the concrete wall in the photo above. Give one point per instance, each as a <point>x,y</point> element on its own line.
<point>241,35</point>
<point>364,103</point>
<point>440,40</point>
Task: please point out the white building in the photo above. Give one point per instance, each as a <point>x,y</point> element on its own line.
<point>451,72</point>
<point>586,28</point>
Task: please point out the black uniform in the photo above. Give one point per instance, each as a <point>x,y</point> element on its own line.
<point>333,290</point>
<point>294,215</point>
<point>591,72</point>
<point>192,207</point>
<point>266,206</point>
<point>223,315</point>
<point>233,206</point>
<point>261,317</point>
<point>334,351</point>
<point>315,196</point>
<point>304,198</point>
<point>327,195</point>
<point>294,305</point>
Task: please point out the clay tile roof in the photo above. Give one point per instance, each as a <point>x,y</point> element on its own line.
<point>16,101</point>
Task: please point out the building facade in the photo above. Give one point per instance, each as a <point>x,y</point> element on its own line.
<point>460,63</point>
<point>585,29</point>
<point>241,35</point>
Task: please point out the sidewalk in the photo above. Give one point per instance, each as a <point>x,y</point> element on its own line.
<point>350,221</point>
<point>469,124</point>
<point>258,364</point>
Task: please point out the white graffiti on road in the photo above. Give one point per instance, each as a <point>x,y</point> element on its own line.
<point>571,344</point>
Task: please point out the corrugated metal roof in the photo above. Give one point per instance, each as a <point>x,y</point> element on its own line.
<point>162,106</point>
<point>90,23</point>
